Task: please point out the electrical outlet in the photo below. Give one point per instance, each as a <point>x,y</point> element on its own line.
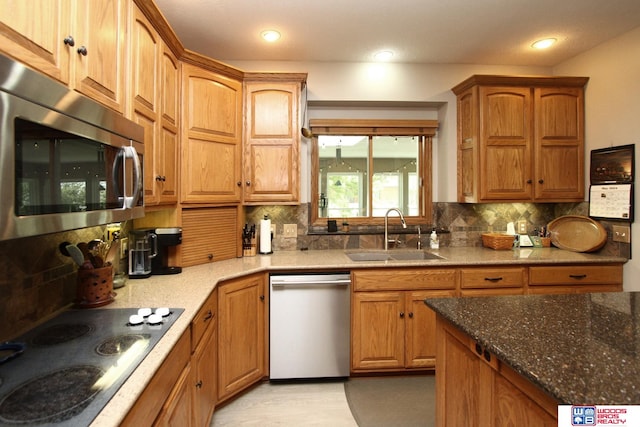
<point>290,230</point>
<point>124,247</point>
<point>522,226</point>
<point>622,233</point>
<point>273,231</point>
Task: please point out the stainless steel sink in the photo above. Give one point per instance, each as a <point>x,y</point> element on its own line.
<point>368,256</point>
<point>397,255</point>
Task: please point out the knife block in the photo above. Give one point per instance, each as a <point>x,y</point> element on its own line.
<point>249,249</point>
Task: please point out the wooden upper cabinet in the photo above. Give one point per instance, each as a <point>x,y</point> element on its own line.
<point>79,43</point>
<point>520,139</point>
<point>211,137</point>
<point>154,90</point>
<point>35,35</point>
<point>505,143</point>
<point>272,138</point>
<point>99,71</point>
<point>559,142</point>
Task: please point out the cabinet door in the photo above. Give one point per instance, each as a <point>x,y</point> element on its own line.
<point>559,144</point>
<point>205,365</point>
<point>143,96</point>
<point>468,156</point>
<point>241,334</point>
<point>272,136</point>
<point>178,409</point>
<point>168,143</point>
<point>211,137</point>
<point>101,30</point>
<point>209,234</point>
<point>33,33</point>
<point>377,325</point>
<point>505,143</point>
<point>420,329</point>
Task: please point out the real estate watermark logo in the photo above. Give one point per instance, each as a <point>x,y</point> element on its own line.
<point>583,415</point>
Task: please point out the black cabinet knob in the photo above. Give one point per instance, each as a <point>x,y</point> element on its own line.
<point>478,349</point>
<point>487,356</point>
<point>411,314</point>
<point>69,41</point>
<point>402,314</point>
<point>541,181</point>
<point>208,316</point>
<point>82,50</point>
<point>199,384</point>
<point>261,297</point>
<point>210,256</point>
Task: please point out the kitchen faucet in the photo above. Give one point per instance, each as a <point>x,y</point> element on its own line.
<point>386,226</point>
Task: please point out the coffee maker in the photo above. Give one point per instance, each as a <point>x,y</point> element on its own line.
<point>143,247</point>
<point>149,251</point>
<point>165,239</point>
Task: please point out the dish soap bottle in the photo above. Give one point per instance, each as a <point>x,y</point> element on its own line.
<point>433,240</point>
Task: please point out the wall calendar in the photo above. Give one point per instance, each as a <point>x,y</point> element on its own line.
<point>614,201</point>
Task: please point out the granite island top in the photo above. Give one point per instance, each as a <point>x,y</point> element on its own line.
<point>190,289</point>
<point>579,348</point>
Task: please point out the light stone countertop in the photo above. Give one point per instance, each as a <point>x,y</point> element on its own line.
<point>190,289</point>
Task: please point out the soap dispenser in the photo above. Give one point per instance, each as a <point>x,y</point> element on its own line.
<point>433,240</point>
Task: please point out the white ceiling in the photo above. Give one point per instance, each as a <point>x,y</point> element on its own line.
<point>489,32</point>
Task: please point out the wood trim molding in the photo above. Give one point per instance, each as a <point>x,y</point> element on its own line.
<point>529,81</point>
<point>373,127</point>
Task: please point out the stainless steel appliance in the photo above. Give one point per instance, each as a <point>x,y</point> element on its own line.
<point>143,248</point>
<point>66,161</point>
<point>73,364</point>
<point>309,326</point>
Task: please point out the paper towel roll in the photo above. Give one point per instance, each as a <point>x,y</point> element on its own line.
<point>265,236</point>
<point>511,229</point>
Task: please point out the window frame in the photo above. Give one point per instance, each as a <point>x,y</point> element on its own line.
<point>373,127</point>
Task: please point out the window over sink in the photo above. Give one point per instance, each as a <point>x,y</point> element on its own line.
<point>365,167</point>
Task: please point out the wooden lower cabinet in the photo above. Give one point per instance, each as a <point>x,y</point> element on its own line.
<point>204,381</point>
<point>477,390</point>
<point>575,279</point>
<point>242,331</point>
<point>178,410</point>
<point>165,387</point>
<point>393,330</point>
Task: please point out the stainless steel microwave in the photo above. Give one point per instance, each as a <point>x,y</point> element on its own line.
<point>66,162</point>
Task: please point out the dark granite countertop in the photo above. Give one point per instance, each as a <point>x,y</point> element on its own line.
<point>580,349</point>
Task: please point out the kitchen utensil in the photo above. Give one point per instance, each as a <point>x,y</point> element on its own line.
<point>63,248</point>
<point>76,254</point>
<point>577,233</point>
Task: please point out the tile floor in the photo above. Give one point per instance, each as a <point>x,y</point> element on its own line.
<point>288,404</point>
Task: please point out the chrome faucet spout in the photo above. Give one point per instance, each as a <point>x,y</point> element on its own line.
<point>386,226</point>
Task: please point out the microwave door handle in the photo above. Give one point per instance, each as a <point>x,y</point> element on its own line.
<point>130,153</point>
<point>117,178</point>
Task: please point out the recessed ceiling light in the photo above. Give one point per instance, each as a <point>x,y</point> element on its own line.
<point>270,35</point>
<point>544,43</point>
<point>383,55</point>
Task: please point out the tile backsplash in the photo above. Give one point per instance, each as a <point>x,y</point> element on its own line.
<point>36,280</point>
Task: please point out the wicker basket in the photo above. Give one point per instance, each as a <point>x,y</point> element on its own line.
<point>497,241</point>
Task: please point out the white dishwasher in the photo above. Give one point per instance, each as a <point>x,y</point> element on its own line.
<point>309,325</point>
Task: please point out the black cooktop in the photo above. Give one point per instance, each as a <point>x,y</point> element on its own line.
<point>73,364</point>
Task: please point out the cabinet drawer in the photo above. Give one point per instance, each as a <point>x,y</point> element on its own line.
<point>476,278</point>
<point>403,279</point>
<point>575,275</point>
<point>204,319</point>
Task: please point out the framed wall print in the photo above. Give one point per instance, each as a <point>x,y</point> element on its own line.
<point>613,165</point>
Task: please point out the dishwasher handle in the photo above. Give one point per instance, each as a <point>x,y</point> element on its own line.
<point>290,281</point>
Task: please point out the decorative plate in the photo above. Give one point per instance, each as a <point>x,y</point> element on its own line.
<point>577,233</point>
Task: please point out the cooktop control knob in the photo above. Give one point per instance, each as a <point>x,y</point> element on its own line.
<point>144,312</point>
<point>163,311</point>
<point>154,319</point>
<point>135,319</point>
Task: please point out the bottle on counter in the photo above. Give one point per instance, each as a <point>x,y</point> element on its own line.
<point>433,240</point>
